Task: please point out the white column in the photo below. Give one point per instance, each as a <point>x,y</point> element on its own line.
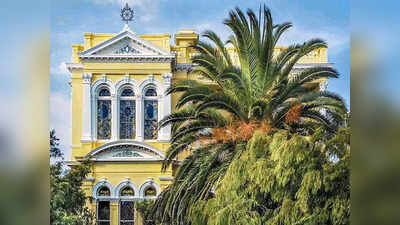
<point>139,118</point>
<point>114,117</point>
<point>166,107</point>
<point>86,103</point>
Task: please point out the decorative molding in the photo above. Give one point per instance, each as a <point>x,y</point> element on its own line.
<point>152,53</point>
<point>184,67</point>
<point>167,77</point>
<point>142,147</point>
<point>101,183</point>
<point>128,59</point>
<point>126,50</point>
<point>86,78</point>
<point>74,67</point>
<point>124,183</point>
<point>149,183</point>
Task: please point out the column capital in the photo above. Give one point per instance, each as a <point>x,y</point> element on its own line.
<point>86,78</point>
<point>167,77</point>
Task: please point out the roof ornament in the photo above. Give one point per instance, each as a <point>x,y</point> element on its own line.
<point>127,15</point>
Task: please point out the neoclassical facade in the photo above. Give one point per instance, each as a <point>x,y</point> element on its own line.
<point>118,84</point>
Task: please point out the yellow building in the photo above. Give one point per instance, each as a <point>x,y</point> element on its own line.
<point>118,83</point>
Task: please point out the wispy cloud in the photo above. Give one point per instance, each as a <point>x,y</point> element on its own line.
<point>337,40</point>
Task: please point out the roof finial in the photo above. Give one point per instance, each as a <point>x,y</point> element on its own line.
<point>127,14</point>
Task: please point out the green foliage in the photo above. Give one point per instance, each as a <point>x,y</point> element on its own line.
<point>233,121</point>
<point>67,199</point>
<point>286,179</point>
<point>55,151</point>
<point>144,208</point>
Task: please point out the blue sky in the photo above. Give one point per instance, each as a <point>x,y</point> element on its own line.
<point>328,20</point>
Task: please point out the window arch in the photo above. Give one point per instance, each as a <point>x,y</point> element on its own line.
<point>127,113</point>
<point>150,113</point>
<point>103,113</point>
<point>149,189</point>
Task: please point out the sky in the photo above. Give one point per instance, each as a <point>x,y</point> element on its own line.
<point>328,20</point>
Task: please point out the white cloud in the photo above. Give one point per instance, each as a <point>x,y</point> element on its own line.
<point>60,120</point>
<point>337,40</point>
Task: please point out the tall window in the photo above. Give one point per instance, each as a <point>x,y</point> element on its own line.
<point>127,112</point>
<point>127,207</point>
<point>150,113</point>
<point>103,207</point>
<point>104,114</point>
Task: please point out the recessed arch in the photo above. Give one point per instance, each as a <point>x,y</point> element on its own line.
<point>148,184</point>
<point>126,82</point>
<point>99,185</point>
<point>102,82</point>
<point>122,185</point>
<point>151,81</point>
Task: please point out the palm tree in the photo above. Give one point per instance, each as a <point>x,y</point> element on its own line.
<point>262,93</point>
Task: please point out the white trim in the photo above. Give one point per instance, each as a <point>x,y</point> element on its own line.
<point>120,36</point>
<point>149,183</point>
<point>134,143</point>
<point>86,109</point>
<point>100,184</point>
<point>96,85</point>
<point>144,85</point>
<point>123,184</point>
<point>74,67</point>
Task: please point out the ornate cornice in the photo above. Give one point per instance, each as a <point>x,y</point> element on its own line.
<point>74,67</point>
<point>129,58</point>
<point>183,67</point>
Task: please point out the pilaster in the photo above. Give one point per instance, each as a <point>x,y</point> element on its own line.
<point>139,118</point>
<point>166,107</point>
<point>86,110</point>
<point>114,213</point>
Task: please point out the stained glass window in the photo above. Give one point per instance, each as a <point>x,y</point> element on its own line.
<point>150,192</point>
<point>150,119</point>
<point>104,92</point>
<point>127,126</point>
<point>103,213</point>
<point>150,92</point>
<point>127,191</point>
<point>127,213</point>
<point>127,92</point>
<point>103,191</point>
<point>103,119</point>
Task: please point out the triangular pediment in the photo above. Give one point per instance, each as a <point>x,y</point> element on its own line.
<point>126,45</point>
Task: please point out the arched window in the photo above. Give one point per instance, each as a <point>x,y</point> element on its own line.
<point>150,113</point>
<point>127,207</point>
<point>103,206</point>
<point>104,113</point>
<point>127,113</point>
